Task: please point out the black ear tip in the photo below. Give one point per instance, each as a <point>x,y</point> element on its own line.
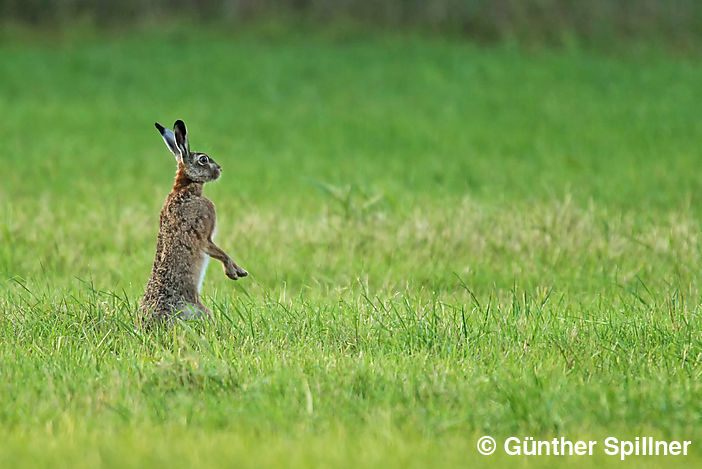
<point>159,127</point>
<point>179,124</point>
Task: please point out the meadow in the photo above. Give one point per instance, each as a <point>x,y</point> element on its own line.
<point>444,241</point>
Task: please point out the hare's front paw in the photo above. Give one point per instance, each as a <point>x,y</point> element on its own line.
<point>231,273</point>
<point>234,272</point>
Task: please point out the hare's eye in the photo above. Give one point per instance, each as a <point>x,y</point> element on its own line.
<point>204,160</point>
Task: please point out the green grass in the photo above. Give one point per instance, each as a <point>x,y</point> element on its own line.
<point>444,241</point>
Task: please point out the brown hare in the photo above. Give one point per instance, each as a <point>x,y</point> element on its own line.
<point>186,227</point>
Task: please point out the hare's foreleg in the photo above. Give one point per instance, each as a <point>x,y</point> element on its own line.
<point>231,269</point>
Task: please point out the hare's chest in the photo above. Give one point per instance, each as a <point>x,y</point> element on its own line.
<point>205,261</point>
<point>203,269</point>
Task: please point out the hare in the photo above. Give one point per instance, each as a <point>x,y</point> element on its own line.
<point>186,227</point>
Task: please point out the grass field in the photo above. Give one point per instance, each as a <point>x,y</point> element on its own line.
<point>444,241</point>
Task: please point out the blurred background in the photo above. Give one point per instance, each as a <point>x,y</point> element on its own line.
<point>554,21</point>
<point>357,137</point>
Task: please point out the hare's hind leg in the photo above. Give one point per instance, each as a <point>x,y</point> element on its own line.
<point>191,311</point>
<point>152,312</point>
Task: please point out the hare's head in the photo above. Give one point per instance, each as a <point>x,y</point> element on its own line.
<point>198,166</point>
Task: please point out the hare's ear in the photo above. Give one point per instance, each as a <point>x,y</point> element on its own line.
<point>181,138</point>
<point>170,140</point>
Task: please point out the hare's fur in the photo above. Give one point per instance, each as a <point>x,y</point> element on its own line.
<point>186,226</point>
